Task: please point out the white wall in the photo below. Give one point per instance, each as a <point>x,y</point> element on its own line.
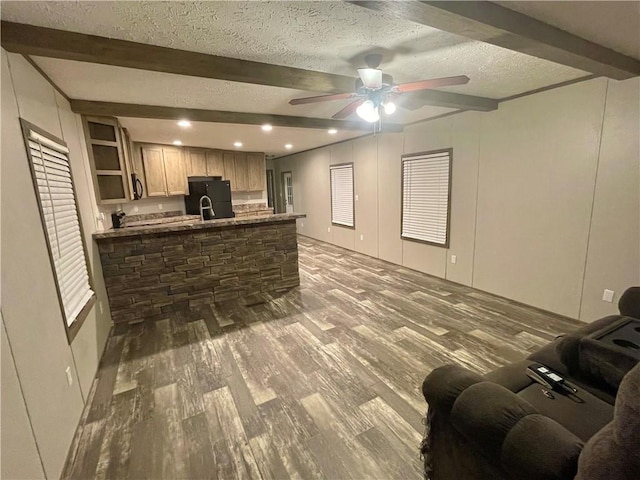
<point>30,308</point>
<point>545,204</point>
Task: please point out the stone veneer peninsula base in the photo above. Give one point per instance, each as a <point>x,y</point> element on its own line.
<point>154,270</point>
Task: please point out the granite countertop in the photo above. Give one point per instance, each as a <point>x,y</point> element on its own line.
<point>159,221</point>
<point>187,225</point>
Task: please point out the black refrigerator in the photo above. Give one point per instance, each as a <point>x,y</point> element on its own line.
<point>219,191</point>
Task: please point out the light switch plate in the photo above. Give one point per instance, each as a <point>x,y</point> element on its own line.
<point>329,229</point>
<point>454,258</point>
<point>356,197</point>
<point>361,237</point>
<point>607,296</point>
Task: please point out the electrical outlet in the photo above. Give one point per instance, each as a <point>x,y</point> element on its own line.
<point>135,209</point>
<point>159,206</point>
<point>69,377</point>
<point>607,296</point>
<point>329,229</point>
<point>454,259</point>
<point>301,224</point>
<point>361,237</point>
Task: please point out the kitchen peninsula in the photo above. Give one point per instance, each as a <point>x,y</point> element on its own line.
<point>157,269</point>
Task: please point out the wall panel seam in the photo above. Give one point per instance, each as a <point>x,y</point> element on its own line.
<point>24,401</point>
<point>593,198</point>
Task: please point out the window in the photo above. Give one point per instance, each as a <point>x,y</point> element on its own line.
<point>49,162</point>
<point>426,189</point>
<point>342,194</point>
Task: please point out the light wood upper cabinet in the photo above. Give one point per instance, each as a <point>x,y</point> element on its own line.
<point>175,171</point>
<point>164,170</point>
<point>256,172</point>
<point>215,165</point>
<point>229,166</point>
<point>242,172</point>
<point>154,171</point>
<point>196,162</point>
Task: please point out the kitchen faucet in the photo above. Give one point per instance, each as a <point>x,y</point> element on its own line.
<point>204,207</point>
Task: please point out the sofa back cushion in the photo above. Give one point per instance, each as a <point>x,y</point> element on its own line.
<point>614,453</point>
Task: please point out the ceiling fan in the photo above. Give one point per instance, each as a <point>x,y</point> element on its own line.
<point>375,90</point>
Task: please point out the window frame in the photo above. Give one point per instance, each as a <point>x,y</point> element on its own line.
<point>407,156</point>
<point>353,194</point>
<point>73,329</point>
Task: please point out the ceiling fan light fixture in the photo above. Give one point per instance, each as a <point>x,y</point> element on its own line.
<point>368,111</point>
<point>389,108</point>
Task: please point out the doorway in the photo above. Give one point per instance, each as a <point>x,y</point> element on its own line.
<point>271,203</point>
<point>287,191</point>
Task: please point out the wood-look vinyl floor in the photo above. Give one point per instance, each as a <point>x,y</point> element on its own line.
<point>322,381</point>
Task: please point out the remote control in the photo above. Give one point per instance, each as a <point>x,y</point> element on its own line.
<point>548,378</point>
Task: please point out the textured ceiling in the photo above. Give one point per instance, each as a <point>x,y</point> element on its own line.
<point>615,25</point>
<point>223,135</point>
<point>326,36</point>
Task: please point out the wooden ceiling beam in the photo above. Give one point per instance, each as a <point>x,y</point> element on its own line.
<point>491,23</point>
<point>438,98</point>
<point>49,42</point>
<point>110,109</point>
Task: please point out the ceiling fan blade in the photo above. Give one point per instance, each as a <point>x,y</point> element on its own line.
<point>433,83</point>
<point>321,98</point>
<point>371,77</point>
<point>348,110</point>
<point>408,102</point>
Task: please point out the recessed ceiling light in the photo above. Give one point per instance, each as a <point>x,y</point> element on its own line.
<point>266,127</point>
<point>184,123</point>
<point>237,144</point>
<point>288,146</point>
<point>332,131</point>
<point>177,142</point>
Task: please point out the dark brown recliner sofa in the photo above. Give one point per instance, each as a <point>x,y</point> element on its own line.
<point>502,426</point>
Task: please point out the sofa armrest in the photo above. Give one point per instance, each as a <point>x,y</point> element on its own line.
<point>507,430</point>
<point>443,385</point>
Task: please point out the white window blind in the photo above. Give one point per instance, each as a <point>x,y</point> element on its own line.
<point>342,194</point>
<point>425,197</point>
<point>52,176</point>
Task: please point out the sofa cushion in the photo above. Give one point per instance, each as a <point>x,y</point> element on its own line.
<point>485,412</point>
<point>613,452</point>
<point>538,448</point>
<point>443,385</point>
<point>629,303</point>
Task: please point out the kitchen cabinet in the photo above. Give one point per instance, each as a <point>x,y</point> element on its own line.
<point>165,171</point>
<point>107,160</point>
<point>175,171</point>
<point>215,165</point>
<point>196,162</point>
<point>241,171</point>
<point>256,172</point>
<point>229,166</point>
